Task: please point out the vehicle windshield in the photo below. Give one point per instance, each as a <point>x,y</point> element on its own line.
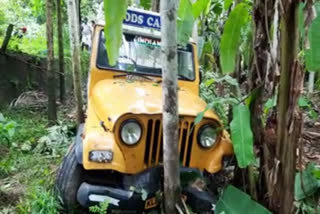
<point>141,55</point>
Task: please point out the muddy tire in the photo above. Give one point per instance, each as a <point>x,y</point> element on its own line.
<point>69,178</point>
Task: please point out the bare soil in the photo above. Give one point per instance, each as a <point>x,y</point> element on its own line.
<point>10,192</point>
<point>311,136</point>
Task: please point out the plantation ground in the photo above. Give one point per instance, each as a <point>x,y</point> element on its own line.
<point>29,162</point>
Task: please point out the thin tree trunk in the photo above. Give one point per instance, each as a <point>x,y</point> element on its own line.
<point>289,118</point>
<point>195,28</point>
<point>61,54</point>
<point>170,105</point>
<point>75,53</point>
<point>264,68</point>
<point>7,38</point>
<point>52,109</point>
<point>155,5</point>
<point>311,81</point>
<point>78,8</point>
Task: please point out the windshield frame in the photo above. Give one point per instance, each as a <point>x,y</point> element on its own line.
<point>143,73</point>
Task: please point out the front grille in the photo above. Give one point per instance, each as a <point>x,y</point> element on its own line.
<point>154,142</point>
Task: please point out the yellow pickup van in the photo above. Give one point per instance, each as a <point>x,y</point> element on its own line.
<point>117,154</point>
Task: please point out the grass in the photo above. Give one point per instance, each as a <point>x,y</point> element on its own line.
<point>28,168</point>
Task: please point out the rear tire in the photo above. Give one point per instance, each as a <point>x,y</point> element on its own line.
<point>69,178</point>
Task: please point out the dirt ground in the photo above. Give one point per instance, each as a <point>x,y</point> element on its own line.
<point>311,135</point>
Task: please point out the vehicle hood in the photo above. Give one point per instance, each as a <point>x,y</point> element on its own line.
<point>112,98</point>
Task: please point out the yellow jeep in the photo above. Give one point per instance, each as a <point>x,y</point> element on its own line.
<point>117,154</point>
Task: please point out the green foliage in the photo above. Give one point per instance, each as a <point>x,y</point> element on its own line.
<point>246,48</point>
<point>27,132</point>
<point>2,22</point>
<point>85,63</point>
<point>306,189</point>
<point>207,58</point>
<point>307,206</point>
<point>316,173</point>
<point>234,201</point>
<point>227,4</point>
<point>2,17</point>
<point>229,80</point>
<point>271,102</point>
<point>146,4</point>
<point>231,37</point>
<point>241,135</point>
<point>29,14</point>
<point>101,209</point>
<point>30,127</point>
<point>7,129</point>
<point>184,22</point>
<point>307,105</point>
<point>39,11</point>
<point>218,103</point>
<point>313,53</point>
<point>306,184</point>
<point>33,169</point>
<point>251,97</point>
<point>57,140</point>
<point>217,8</point>
<point>200,116</point>
<point>40,200</point>
<point>35,45</point>
<point>199,7</point>
<point>114,15</point>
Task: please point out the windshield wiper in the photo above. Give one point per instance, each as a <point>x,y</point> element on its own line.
<point>133,74</point>
<point>180,77</point>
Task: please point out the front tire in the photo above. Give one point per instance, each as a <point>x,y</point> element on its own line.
<point>69,178</point>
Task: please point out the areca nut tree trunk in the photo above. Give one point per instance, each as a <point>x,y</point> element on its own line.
<point>61,53</point>
<point>168,11</point>
<point>52,109</point>
<point>155,5</point>
<point>289,119</point>
<point>73,22</point>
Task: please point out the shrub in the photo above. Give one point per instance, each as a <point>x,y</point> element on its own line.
<point>7,129</point>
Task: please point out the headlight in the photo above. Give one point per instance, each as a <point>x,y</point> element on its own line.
<point>130,132</point>
<point>207,136</point>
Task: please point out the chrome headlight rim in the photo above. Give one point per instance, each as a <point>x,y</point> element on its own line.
<point>201,129</point>
<point>125,122</point>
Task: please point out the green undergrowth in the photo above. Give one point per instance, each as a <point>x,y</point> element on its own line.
<point>28,164</point>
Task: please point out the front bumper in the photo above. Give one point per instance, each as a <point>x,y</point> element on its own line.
<point>141,192</point>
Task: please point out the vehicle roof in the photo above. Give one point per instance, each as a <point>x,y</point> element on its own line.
<point>143,31</point>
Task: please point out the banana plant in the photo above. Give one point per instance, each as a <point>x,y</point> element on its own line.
<point>231,37</point>
<point>312,55</point>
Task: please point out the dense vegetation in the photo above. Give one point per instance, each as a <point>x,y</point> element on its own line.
<point>30,155</point>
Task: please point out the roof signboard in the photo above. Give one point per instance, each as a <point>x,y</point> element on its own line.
<point>141,18</point>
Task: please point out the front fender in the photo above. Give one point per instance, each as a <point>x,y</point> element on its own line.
<point>102,141</point>
<point>214,163</point>
<point>79,144</point>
